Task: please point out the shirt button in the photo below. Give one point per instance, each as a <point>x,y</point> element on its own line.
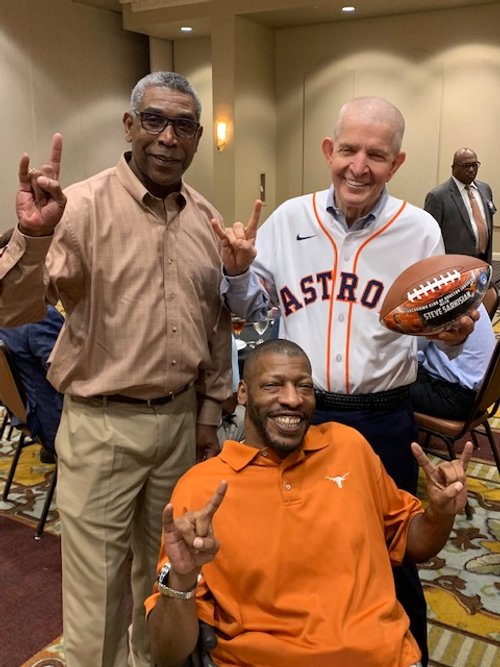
<point>288,486</point>
<point>170,261</point>
<point>338,357</point>
<point>173,362</point>
<point>347,257</point>
<point>341,318</point>
<point>172,296</point>
<point>264,452</point>
<point>174,329</point>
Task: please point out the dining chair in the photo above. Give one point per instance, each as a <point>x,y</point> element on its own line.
<point>13,398</point>
<point>485,406</point>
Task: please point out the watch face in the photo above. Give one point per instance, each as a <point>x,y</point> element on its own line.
<point>163,576</point>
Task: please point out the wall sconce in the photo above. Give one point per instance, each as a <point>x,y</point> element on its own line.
<point>221,131</point>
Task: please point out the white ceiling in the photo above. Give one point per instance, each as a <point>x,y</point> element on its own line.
<point>274,13</point>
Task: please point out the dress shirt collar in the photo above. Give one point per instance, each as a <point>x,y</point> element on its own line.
<point>138,191</point>
<point>362,222</point>
<point>461,186</point>
<point>238,455</point>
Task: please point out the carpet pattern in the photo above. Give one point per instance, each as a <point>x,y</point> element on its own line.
<point>461,584</point>
<point>29,487</point>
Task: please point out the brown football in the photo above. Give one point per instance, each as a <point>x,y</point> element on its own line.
<point>430,295</point>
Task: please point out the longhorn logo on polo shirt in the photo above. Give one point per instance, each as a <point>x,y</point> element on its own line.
<point>339,480</point>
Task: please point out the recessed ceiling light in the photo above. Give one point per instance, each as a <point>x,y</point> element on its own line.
<point>186,28</point>
<point>349,8</point>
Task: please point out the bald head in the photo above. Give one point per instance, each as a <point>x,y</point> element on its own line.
<point>465,165</point>
<point>378,111</point>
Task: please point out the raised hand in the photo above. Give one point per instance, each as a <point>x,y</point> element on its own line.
<point>446,483</point>
<point>40,201</point>
<point>190,540</point>
<point>238,242</point>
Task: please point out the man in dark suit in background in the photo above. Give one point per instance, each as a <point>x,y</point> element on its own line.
<point>464,208</point>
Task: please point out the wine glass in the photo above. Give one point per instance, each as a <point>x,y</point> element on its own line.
<point>238,324</point>
<point>261,327</point>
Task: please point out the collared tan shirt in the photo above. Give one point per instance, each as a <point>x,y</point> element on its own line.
<point>139,280</point>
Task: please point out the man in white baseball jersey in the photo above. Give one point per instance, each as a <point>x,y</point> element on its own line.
<point>327,259</point>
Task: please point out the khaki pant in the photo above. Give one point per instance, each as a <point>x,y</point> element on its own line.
<point>117,466</point>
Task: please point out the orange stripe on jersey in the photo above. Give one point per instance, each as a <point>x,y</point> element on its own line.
<point>330,308</point>
<point>355,268</point>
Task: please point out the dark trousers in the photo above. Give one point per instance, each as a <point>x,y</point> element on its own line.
<point>390,433</point>
<point>440,398</point>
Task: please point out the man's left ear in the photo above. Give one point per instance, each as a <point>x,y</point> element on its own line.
<point>128,121</point>
<point>397,162</point>
<point>242,393</point>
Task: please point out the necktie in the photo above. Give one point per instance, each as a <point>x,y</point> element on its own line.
<point>482,230</point>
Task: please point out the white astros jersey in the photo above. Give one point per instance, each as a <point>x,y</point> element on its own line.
<point>330,285</point>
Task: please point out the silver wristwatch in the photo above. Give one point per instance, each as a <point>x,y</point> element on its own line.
<point>170,592</point>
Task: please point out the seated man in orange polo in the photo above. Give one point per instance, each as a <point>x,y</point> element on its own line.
<point>290,559</point>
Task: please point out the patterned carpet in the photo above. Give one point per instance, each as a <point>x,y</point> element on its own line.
<point>462,583</point>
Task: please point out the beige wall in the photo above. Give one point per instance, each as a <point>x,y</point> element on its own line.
<point>255,117</point>
<point>441,68</point>
<point>233,74</point>
<point>63,67</point>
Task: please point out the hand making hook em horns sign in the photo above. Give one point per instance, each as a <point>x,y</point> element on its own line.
<point>238,242</point>
<point>189,540</point>
<point>446,483</point>
<point>40,201</point>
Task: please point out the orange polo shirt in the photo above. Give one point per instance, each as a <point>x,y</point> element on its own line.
<point>303,575</point>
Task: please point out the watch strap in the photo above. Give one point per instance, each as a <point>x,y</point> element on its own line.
<point>171,592</point>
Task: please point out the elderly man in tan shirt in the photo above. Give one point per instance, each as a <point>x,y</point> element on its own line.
<point>144,358</point>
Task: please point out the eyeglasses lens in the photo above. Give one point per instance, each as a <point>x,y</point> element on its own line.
<point>154,123</point>
<point>468,165</point>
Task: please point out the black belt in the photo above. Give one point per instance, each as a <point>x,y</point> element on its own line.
<point>104,399</point>
<point>381,400</point>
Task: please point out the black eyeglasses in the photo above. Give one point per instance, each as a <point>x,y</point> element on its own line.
<point>155,123</point>
<point>467,165</point>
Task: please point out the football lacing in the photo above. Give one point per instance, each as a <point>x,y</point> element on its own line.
<point>431,286</point>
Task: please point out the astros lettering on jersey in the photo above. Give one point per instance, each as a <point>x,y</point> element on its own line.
<point>330,283</point>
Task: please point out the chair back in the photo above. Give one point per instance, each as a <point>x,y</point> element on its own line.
<point>11,392</point>
<point>489,391</point>
<point>491,300</point>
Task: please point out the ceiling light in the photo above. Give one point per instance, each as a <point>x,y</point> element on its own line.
<point>349,8</point>
<point>186,28</point>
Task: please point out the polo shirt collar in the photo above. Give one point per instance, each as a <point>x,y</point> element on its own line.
<point>238,455</point>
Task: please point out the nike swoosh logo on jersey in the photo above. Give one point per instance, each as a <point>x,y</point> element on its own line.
<point>303,238</point>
